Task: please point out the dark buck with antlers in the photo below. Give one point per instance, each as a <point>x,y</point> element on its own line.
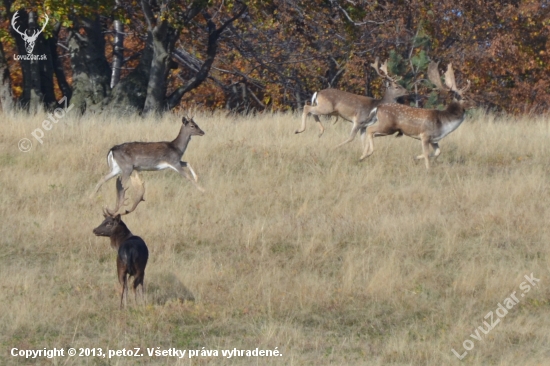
<point>355,108</point>
<point>125,158</point>
<point>427,125</point>
<point>132,251</point>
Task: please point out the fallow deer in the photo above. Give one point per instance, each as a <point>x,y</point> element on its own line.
<point>355,108</point>
<point>427,125</point>
<point>140,156</point>
<point>132,252</point>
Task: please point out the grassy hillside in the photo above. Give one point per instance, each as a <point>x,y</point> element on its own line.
<point>294,245</point>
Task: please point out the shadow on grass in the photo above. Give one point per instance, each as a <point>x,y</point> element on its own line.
<point>166,287</point>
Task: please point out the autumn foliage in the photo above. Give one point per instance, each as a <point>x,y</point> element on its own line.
<point>279,52</point>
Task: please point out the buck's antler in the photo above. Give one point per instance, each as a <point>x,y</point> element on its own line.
<point>121,191</point>
<point>384,68</point>
<point>433,75</point>
<point>450,81</point>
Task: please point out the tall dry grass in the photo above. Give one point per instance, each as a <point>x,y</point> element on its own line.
<point>294,245</point>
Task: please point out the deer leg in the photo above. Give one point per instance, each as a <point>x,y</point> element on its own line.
<point>185,164</point>
<point>115,170</point>
<point>135,290</point>
<point>319,124</point>
<point>113,173</point>
<point>124,293</point>
<point>124,176</point>
<point>103,180</point>
<point>363,137</point>
<point>138,280</point>
<point>122,278</point>
<point>305,113</point>
<point>354,129</point>
<point>435,154</point>
<point>309,109</point>
<point>425,152</point>
<point>142,291</point>
<point>369,146</point>
<point>437,151</point>
<point>186,175</point>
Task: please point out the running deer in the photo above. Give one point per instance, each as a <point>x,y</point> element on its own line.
<point>125,158</point>
<point>355,108</point>
<point>426,125</point>
<point>132,251</point>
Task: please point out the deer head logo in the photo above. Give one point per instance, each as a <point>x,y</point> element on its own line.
<point>29,40</point>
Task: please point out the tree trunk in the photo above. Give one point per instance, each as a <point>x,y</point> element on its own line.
<point>38,84</point>
<point>164,38</point>
<point>57,65</point>
<point>211,51</point>
<point>118,52</point>
<point>144,90</point>
<point>91,72</point>
<point>6,98</point>
<point>128,96</point>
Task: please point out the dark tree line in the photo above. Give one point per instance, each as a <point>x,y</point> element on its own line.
<point>150,56</point>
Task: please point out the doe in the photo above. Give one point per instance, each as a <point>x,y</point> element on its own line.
<point>125,158</point>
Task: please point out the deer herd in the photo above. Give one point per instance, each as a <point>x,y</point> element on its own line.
<point>132,252</point>
<point>371,117</point>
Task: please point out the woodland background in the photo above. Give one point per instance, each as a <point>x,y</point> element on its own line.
<point>153,56</point>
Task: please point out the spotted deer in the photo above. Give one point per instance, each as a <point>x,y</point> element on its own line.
<point>427,125</point>
<point>357,109</point>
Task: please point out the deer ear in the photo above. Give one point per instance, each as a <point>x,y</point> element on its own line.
<point>184,120</point>
<point>117,218</point>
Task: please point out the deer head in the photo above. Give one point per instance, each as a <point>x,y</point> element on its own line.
<point>29,40</point>
<point>195,129</point>
<point>393,89</point>
<point>108,226</point>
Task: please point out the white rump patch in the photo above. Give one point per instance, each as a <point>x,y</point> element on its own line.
<point>314,99</point>
<point>113,165</point>
<point>372,119</point>
<point>110,159</point>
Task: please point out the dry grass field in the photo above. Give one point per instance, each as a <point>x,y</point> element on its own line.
<point>294,246</point>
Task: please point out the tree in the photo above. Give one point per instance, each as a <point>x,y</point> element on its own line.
<point>195,53</point>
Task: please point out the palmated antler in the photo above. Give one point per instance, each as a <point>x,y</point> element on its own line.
<point>121,191</point>
<point>433,75</point>
<point>384,69</point>
<point>450,81</point>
